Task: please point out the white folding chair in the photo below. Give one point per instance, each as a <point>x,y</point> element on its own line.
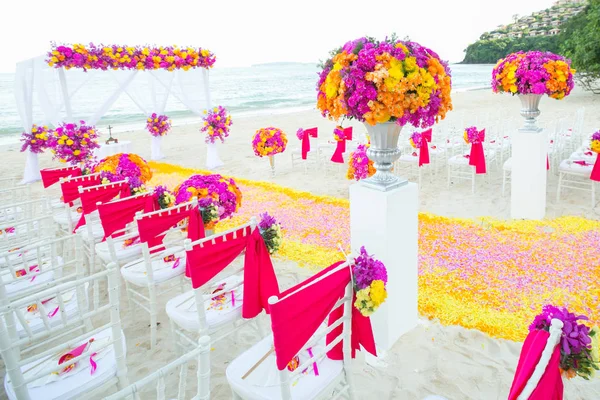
<point>164,378</point>
<point>40,375</point>
<point>254,375</point>
<point>576,177</point>
<point>67,217</point>
<point>24,210</point>
<point>9,195</point>
<point>16,234</point>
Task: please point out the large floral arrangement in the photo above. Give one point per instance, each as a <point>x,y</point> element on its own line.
<point>269,141</point>
<point>218,197</point>
<point>216,124</point>
<point>158,125</point>
<point>123,165</point>
<point>369,279</point>
<point>385,81</point>
<point>595,143</point>
<point>270,230</point>
<point>359,165</point>
<point>37,140</point>
<point>579,345</point>
<point>128,57</point>
<point>164,197</point>
<point>471,135</point>
<point>534,72</point>
<point>74,143</point>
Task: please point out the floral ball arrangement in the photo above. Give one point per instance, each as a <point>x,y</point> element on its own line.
<point>74,143</point>
<point>158,125</point>
<point>270,230</point>
<point>269,141</point>
<point>381,81</point>
<point>218,197</point>
<point>534,72</point>
<point>120,166</point>
<point>579,345</point>
<point>369,279</point>
<point>359,165</point>
<point>595,143</point>
<point>216,124</point>
<point>164,197</point>
<point>37,140</point>
<point>129,57</point>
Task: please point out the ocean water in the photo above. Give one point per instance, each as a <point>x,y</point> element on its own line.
<point>271,88</point>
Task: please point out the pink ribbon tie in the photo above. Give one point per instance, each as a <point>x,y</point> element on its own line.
<point>176,263</point>
<point>315,368</point>
<point>233,298</point>
<point>93,363</point>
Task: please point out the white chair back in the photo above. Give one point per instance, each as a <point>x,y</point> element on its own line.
<point>15,194</point>
<point>16,234</point>
<point>24,210</point>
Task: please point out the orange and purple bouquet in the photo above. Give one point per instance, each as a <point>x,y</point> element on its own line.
<point>74,143</point>
<point>378,82</point>
<point>471,135</point>
<point>415,140</point>
<point>534,72</point>
<point>269,141</point>
<point>359,165</point>
<point>595,143</point>
<point>36,141</point>
<point>120,166</point>
<point>158,125</point>
<point>216,124</point>
<point>124,57</point>
<point>338,134</point>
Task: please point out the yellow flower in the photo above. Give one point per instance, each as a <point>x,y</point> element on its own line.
<point>70,142</point>
<point>378,292</point>
<point>596,345</point>
<point>77,152</point>
<point>363,294</point>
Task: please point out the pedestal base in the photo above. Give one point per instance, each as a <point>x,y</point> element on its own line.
<point>528,175</point>
<point>386,223</point>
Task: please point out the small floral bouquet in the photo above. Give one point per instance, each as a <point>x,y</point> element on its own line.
<point>120,166</point>
<point>158,125</point>
<point>269,141</point>
<point>471,135</point>
<point>164,196</point>
<point>415,140</point>
<point>36,141</point>
<point>74,143</point>
<point>338,134</point>
<point>595,144</point>
<point>300,134</point>
<point>534,72</point>
<point>359,165</point>
<point>369,280</point>
<point>218,197</point>
<point>216,124</point>
<point>579,345</point>
<point>271,232</point>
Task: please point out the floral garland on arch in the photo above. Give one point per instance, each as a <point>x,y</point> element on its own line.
<point>269,141</point>
<point>534,72</point>
<point>369,279</point>
<point>74,143</point>
<point>270,230</point>
<point>218,197</point>
<point>37,140</point>
<point>380,81</point>
<point>216,124</point>
<point>125,57</point>
<point>125,166</point>
<point>158,125</point>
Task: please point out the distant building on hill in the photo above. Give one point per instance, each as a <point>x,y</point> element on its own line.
<point>554,31</point>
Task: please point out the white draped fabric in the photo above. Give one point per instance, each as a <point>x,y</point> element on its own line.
<point>212,156</point>
<point>61,96</point>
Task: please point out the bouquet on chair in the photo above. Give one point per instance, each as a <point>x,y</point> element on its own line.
<point>270,230</point>
<point>158,125</point>
<point>36,141</point>
<point>595,144</point>
<point>579,345</point>
<point>369,280</point>
<point>164,197</point>
<point>472,135</point>
<point>216,124</point>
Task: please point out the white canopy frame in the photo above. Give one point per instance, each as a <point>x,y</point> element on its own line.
<point>52,90</point>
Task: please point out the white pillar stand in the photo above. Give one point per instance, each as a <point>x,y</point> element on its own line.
<point>32,169</point>
<point>212,156</point>
<point>386,223</point>
<point>528,175</point>
<point>157,153</point>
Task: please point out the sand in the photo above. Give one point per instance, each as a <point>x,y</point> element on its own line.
<point>431,359</point>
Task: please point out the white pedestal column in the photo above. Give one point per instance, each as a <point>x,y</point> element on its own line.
<point>528,175</point>
<point>157,153</point>
<point>386,223</point>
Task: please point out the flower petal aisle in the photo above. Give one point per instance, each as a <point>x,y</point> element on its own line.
<point>489,275</point>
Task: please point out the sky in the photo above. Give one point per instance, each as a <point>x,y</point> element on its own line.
<point>246,32</point>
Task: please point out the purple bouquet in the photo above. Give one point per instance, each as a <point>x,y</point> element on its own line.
<point>74,143</point>
<point>216,124</point>
<point>37,140</point>
<point>369,279</point>
<point>270,230</point>
<point>158,125</point>
<point>164,197</point>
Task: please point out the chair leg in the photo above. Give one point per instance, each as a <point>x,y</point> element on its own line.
<point>473,181</point>
<point>449,167</point>
<point>560,178</point>
<point>593,194</point>
<point>153,319</point>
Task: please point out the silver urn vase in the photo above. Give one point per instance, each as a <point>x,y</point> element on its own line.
<point>530,111</point>
<point>384,152</point>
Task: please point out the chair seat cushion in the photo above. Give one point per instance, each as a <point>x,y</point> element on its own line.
<point>263,382</point>
<point>582,156</point>
<point>459,159</point>
<point>219,310</point>
<point>97,232</point>
<point>61,217</point>
<point>124,254</point>
<point>570,167</point>
<point>135,271</point>
<point>13,286</point>
<point>76,383</point>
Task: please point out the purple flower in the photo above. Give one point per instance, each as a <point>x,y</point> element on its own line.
<point>266,221</point>
<point>367,269</point>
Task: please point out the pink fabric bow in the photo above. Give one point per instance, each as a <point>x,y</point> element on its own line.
<point>550,386</point>
<point>341,147</point>
<point>477,156</point>
<point>115,216</point>
<point>308,133</point>
<point>153,228</point>
<point>595,176</point>
<point>424,149</point>
<point>52,175</point>
<point>89,198</point>
<point>70,188</point>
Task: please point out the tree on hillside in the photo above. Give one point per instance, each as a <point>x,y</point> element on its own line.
<point>515,18</point>
<point>581,43</point>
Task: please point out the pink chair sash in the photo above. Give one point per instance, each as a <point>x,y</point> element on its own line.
<point>424,149</point>
<point>89,198</point>
<point>154,227</point>
<point>308,133</point>
<point>70,188</point>
<point>296,318</point>
<point>341,147</point>
<point>477,156</point>
<point>595,176</point>
<point>206,261</point>
<point>115,216</point>
<point>52,175</point>
<point>550,386</point>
